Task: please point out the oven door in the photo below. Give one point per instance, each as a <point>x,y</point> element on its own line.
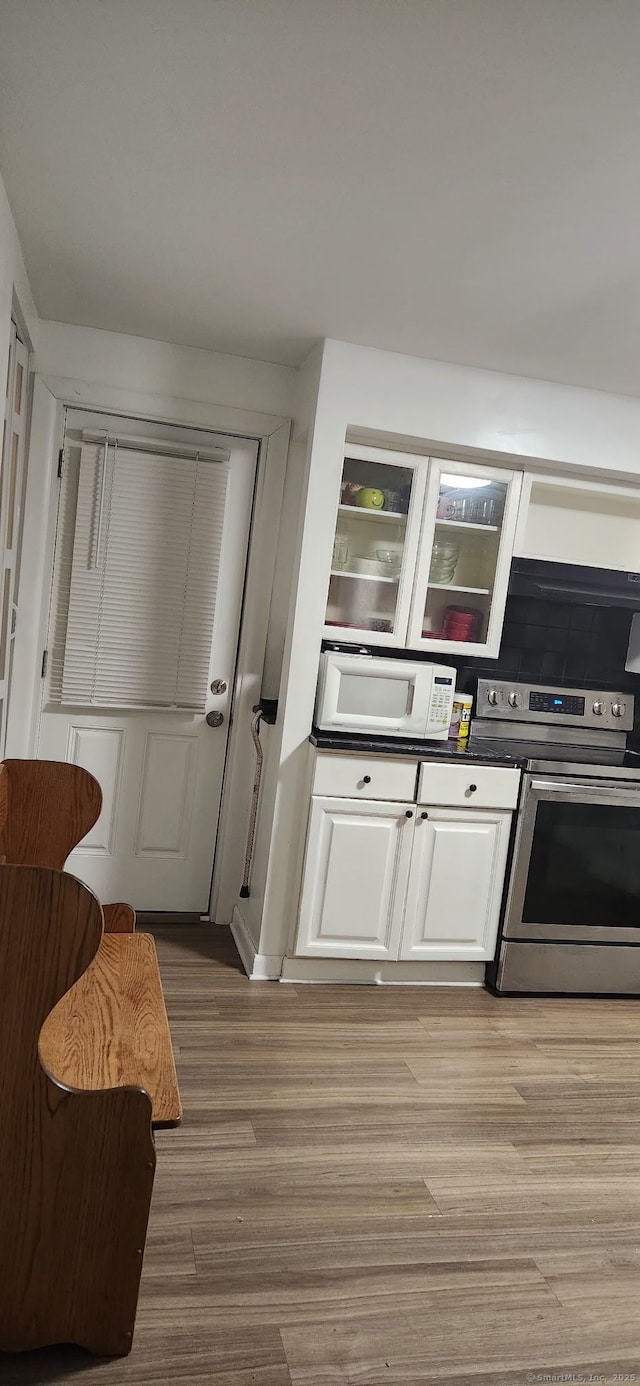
<point>576,863</point>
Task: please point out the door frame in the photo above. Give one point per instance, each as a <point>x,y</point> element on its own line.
<point>271,432</point>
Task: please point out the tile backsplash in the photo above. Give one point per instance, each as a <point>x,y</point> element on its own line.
<point>575,646</point>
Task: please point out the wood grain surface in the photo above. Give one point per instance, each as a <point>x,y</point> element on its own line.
<point>119,918</point>
<point>76,1169</point>
<point>46,808</point>
<point>384,1187</point>
<point>111,1028</point>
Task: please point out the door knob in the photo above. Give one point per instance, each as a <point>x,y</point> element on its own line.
<point>218,686</point>
<point>214,719</point>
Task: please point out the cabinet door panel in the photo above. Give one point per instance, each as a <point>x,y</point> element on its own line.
<point>355,879</point>
<point>464,559</point>
<point>375,545</point>
<point>455,884</point>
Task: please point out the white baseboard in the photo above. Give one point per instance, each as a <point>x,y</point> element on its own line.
<point>271,967</point>
<point>259,967</point>
<point>368,972</point>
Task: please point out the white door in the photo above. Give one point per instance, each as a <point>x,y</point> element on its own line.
<point>355,879</point>
<point>455,884</point>
<point>160,764</point>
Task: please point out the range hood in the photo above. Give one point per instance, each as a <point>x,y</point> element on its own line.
<point>574,584</point>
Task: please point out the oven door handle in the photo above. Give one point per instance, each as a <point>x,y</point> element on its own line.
<point>565,791</point>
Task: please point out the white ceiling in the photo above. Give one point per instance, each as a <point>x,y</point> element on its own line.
<point>457,179</point>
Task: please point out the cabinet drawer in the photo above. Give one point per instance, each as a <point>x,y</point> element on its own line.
<point>473,786</point>
<point>364,777</point>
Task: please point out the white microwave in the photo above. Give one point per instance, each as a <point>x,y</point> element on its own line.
<point>388,697</point>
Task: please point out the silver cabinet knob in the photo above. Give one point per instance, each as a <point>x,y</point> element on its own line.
<point>214,719</point>
<point>598,707</point>
<point>493,697</point>
<point>218,686</point>
<point>618,709</point>
<point>514,700</point>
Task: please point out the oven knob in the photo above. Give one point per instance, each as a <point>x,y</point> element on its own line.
<point>493,696</point>
<point>514,700</point>
<point>598,707</point>
<point>618,709</point>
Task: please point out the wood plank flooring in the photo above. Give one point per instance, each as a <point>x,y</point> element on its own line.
<point>384,1187</point>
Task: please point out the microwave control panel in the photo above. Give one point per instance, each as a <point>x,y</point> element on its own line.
<point>441,705</point>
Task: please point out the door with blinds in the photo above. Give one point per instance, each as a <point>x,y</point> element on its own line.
<point>151,550</point>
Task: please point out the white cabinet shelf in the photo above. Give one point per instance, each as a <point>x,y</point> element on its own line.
<point>361,577</point>
<point>452,587</point>
<point>467,524</point>
<point>366,512</point>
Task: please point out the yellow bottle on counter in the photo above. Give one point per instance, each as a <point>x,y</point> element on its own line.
<point>460,716</point>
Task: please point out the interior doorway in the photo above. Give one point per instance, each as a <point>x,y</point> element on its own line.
<point>146,603</point>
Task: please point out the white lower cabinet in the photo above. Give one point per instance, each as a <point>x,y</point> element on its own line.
<point>396,882</point>
<point>355,879</point>
<point>455,884</point>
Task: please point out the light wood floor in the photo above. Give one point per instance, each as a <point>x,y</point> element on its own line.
<point>384,1187</point>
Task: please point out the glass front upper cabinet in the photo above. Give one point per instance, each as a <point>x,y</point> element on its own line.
<point>375,546</point>
<point>465,556</point>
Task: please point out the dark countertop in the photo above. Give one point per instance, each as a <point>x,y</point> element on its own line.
<point>478,750</point>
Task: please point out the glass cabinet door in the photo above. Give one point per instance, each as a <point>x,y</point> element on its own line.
<point>375,546</point>
<point>465,557</point>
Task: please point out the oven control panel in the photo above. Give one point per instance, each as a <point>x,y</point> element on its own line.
<point>573,707</point>
<point>560,704</point>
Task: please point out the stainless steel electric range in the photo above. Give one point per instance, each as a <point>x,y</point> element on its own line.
<point>571,916</point>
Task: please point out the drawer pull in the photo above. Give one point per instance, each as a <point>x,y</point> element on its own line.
<point>424,814</point>
<point>472,788</point>
<point>408,813</point>
<point>366,779</point>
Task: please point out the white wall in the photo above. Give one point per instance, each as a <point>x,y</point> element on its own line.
<point>111,361</point>
<point>13,280</point>
<point>270,891</point>
<point>434,407</point>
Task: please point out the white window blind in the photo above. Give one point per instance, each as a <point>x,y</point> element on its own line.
<point>144,578</point>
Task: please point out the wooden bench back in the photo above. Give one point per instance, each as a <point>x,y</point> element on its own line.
<point>76,1168</point>
<point>46,808</point>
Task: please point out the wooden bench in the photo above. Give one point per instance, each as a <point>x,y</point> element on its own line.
<point>111,1027</point>
<point>76,1168</point>
<point>86,1070</point>
<point>46,808</point>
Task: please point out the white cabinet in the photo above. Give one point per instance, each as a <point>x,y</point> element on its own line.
<point>355,879</point>
<point>422,551</point>
<point>468,786</point>
<point>364,777</point>
<point>375,546</point>
<point>400,881</point>
<point>462,574</point>
<point>577,520</point>
<point>455,884</point>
